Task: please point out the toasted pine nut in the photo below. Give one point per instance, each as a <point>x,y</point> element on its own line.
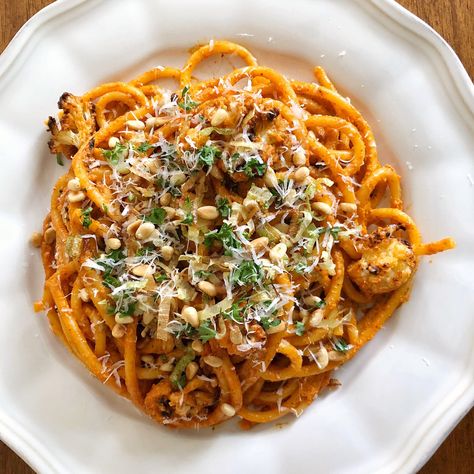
<point>312,300</point>
<point>170,211</point>
<point>135,124</point>
<point>208,212</point>
<point>219,117</point>
<point>216,173</point>
<point>74,184</point>
<point>252,207</point>
<point>148,359</point>
<point>322,207</point>
<point>113,142</point>
<point>228,410</point>
<point>49,235</point>
<point>259,244</point>
<point>76,196</point>
<point>177,179</point>
<point>299,157</point>
<point>301,174</point>
<point>119,331</point>
<point>197,346</point>
<point>316,317</point>
<point>167,252</point>
<point>208,288</point>
<point>36,239</point>
<point>142,270</point>
<point>167,366</point>
<point>123,319</point>
<point>235,335</point>
<point>155,122</point>
<point>113,243</point>
<point>270,178</point>
<point>213,361</point>
<point>274,329</point>
<point>191,370</point>
<point>190,315</point>
<point>148,317</point>
<point>132,228</point>
<point>322,357</point>
<point>348,207</point>
<point>278,252</point>
<point>144,231</point>
<point>165,199</point>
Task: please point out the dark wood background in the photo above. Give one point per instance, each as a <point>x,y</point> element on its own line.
<point>454,20</point>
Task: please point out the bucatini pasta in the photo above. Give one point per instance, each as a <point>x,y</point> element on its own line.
<point>220,250</point>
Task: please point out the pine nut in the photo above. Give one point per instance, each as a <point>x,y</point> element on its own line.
<point>36,239</point>
<point>119,331</point>
<point>191,370</point>
<point>213,361</point>
<point>278,252</point>
<point>142,270</point>
<point>177,179</point>
<point>155,122</point>
<point>322,207</point>
<point>76,196</point>
<point>190,315</point>
<point>259,244</point>
<point>49,235</point>
<point>170,211</point>
<point>235,335</point>
<point>113,142</point>
<point>208,212</point>
<point>167,366</point>
<point>348,207</point>
<point>270,178</point>
<point>228,410</point>
<point>197,346</point>
<point>301,174</point>
<point>148,317</point>
<point>274,329</point>
<point>165,199</point>
<point>322,358</point>
<point>219,117</point>
<point>135,124</point>
<point>74,184</point>
<point>148,359</point>
<point>251,207</point>
<point>299,157</point>
<point>144,231</point>
<point>208,288</point>
<point>312,300</point>
<point>113,243</point>
<point>216,173</point>
<point>123,319</point>
<point>132,228</point>
<point>83,295</point>
<point>167,252</point>
<point>316,317</point>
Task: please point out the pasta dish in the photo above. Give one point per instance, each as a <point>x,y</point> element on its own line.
<point>220,249</point>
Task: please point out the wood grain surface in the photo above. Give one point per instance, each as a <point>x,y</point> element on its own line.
<point>454,20</point>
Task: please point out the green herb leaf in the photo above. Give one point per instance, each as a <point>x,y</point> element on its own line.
<point>223,207</point>
<point>111,281</point>
<point>156,216</point>
<point>226,235</point>
<point>86,217</point>
<point>206,332</point>
<point>254,167</point>
<point>299,328</point>
<point>160,277</point>
<point>59,159</point>
<point>116,154</point>
<point>203,274</point>
<point>341,345</point>
<point>178,377</point>
<point>188,208</point>
<point>234,313</point>
<point>247,272</point>
<point>269,322</point>
<point>187,103</point>
<point>143,147</point>
<point>207,155</point>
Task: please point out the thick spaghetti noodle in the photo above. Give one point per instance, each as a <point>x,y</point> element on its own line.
<point>220,250</point>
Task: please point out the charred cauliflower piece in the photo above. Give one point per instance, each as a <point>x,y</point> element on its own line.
<point>385,265</point>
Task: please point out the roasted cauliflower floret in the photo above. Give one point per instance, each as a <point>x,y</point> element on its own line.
<point>385,265</point>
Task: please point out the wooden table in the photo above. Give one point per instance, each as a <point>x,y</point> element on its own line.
<point>454,20</point>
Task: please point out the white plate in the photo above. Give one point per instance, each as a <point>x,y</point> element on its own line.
<point>403,393</point>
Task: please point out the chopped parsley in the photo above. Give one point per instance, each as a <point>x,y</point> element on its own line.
<point>59,159</point>
<point>225,235</point>
<point>254,167</point>
<point>188,209</point>
<point>269,322</point>
<point>156,216</point>
<point>178,375</point>
<point>86,217</point>
<point>299,328</point>
<point>205,331</point>
<point>247,272</point>
<point>160,277</point>
<point>115,155</point>
<point>341,345</point>
<point>233,313</point>
<point>207,155</point>
<point>223,207</point>
<point>186,102</point>
<point>144,147</point>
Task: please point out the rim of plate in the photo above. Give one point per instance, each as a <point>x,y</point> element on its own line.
<point>439,424</point>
